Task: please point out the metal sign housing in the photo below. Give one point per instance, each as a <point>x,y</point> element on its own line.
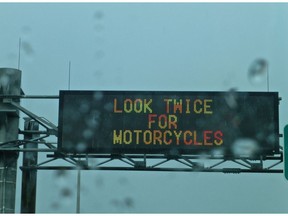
<point>232,124</point>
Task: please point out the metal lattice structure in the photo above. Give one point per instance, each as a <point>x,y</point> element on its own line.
<point>37,142</point>
<point>128,162</point>
<point>37,135</point>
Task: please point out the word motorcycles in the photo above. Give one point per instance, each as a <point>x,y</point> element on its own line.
<point>167,137</point>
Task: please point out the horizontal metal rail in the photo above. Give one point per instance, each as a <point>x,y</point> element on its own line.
<point>30,96</point>
<point>28,150</point>
<point>140,156</point>
<point>225,170</point>
<point>31,132</point>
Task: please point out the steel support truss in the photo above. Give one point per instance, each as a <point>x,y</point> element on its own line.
<point>187,163</point>
<point>129,162</point>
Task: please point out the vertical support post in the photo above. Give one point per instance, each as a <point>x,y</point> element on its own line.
<point>10,84</point>
<point>78,190</point>
<point>286,152</point>
<point>267,71</point>
<point>29,177</point>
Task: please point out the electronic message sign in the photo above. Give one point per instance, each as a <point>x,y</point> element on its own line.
<point>166,122</point>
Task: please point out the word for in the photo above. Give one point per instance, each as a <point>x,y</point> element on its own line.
<point>163,121</point>
<point>167,137</point>
<point>174,106</point>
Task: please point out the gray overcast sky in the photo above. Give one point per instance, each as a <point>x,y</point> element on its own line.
<point>124,46</point>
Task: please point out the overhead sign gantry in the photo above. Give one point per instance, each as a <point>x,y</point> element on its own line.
<point>233,131</point>
<point>173,123</point>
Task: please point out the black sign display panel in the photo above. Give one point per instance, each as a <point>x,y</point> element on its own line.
<point>158,122</point>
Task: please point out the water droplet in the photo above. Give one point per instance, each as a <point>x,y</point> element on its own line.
<point>98,15</point>
<point>217,153</point>
<point>81,147</point>
<point>67,129</point>
<point>55,205</point>
<point>260,135</point>
<point>68,145</point>
<point>84,107</point>
<point>67,195</point>
<point>92,162</point>
<point>108,107</point>
<point>81,164</point>
<point>99,182</point>
<point>60,173</point>
<point>27,48</point>
<point>128,202</point>
<point>66,192</point>
<point>12,56</point>
<point>98,27</point>
<point>123,181</point>
<point>98,73</point>
<point>115,202</point>
<point>271,127</point>
<point>99,54</point>
<point>257,71</point>
<point>4,80</point>
<point>88,134</point>
<point>30,156</point>
<point>272,138</point>
<point>26,29</point>
<point>231,98</point>
<point>99,39</point>
<point>203,158</point>
<point>174,152</point>
<point>98,95</point>
<point>245,147</point>
<point>92,123</point>
<point>61,177</point>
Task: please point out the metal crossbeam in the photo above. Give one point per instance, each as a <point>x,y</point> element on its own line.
<point>30,96</point>
<point>151,162</point>
<point>148,162</point>
<point>223,165</point>
<point>226,170</point>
